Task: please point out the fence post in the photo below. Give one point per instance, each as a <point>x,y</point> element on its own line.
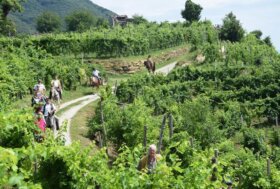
<point>268,167</point>
<point>171,128</point>
<point>102,122</point>
<point>191,142</point>
<point>276,121</point>
<point>161,133</point>
<point>100,139</point>
<point>145,137</point>
<point>216,152</point>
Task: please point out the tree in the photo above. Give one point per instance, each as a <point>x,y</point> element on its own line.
<point>192,11</point>
<point>10,5</point>
<point>48,22</point>
<point>103,23</point>
<point>231,29</point>
<point>267,40</point>
<point>80,21</point>
<point>6,6</point>
<point>138,19</point>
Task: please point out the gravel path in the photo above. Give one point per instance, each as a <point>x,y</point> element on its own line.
<point>69,114</point>
<point>166,69</point>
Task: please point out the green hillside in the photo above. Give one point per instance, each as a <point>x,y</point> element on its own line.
<point>26,21</point>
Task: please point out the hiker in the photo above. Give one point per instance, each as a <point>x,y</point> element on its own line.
<point>149,162</point>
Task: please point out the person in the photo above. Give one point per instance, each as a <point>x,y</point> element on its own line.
<point>39,119</point>
<point>95,73</point>
<point>39,88</point>
<point>48,111</point>
<point>150,64</point>
<point>149,58</point>
<point>38,98</point>
<point>149,162</point>
<point>57,85</point>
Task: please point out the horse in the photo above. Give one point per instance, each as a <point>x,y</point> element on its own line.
<point>151,66</point>
<point>95,82</point>
<point>54,95</point>
<point>52,122</point>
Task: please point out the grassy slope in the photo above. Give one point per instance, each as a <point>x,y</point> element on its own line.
<point>26,21</point>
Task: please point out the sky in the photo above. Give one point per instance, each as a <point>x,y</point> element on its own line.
<point>253,14</point>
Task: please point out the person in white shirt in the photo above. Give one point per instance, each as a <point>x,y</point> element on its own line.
<point>39,88</point>
<point>49,110</point>
<point>95,73</point>
<point>57,85</point>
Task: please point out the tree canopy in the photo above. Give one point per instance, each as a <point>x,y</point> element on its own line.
<point>6,6</point>
<point>48,22</point>
<point>192,11</point>
<point>231,29</point>
<point>80,21</point>
<point>138,19</point>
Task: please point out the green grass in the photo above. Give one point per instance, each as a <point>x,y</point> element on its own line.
<point>79,124</point>
<point>61,111</point>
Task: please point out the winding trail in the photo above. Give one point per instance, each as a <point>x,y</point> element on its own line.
<point>70,113</point>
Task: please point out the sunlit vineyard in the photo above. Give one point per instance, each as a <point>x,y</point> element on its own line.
<point>219,117</point>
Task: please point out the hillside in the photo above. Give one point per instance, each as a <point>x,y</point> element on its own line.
<point>26,20</point>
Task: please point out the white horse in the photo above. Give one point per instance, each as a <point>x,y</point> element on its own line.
<point>54,95</point>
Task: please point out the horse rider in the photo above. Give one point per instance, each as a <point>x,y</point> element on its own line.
<point>149,162</point>
<point>95,73</point>
<point>48,110</point>
<point>39,88</point>
<point>150,64</point>
<point>57,85</point>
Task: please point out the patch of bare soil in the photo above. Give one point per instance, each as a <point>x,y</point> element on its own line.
<point>130,67</point>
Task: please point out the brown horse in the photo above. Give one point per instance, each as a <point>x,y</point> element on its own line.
<point>95,82</point>
<point>151,67</point>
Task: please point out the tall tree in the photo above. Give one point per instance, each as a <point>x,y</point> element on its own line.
<point>231,29</point>
<point>48,22</point>
<point>10,5</point>
<point>80,21</point>
<point>6,6</point>
<point>192,11</point>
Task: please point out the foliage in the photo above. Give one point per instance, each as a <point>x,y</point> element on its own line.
<point>26,21</point>
<point>48,22</point>
<point>138,19</point>
<point>191,12</point>
<point>6,6</point>
<point>231,29</point>
<point>80,21</point>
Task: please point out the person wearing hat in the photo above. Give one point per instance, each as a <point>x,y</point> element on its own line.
<point>39,88</point>
<point>149,162</point>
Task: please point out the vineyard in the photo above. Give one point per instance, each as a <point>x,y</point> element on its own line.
<point>215,122</point>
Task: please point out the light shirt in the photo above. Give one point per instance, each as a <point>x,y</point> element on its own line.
<point>56,83</point>
<point>48,109</point>
<point>39,87</point>
<point>95,73</point>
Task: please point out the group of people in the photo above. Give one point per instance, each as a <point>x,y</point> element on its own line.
<point>44,109</point>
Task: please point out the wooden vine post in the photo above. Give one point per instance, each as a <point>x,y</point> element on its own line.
<point>145,137</point>
<point>171,128</point>
<point>102,122</point>
<point>161,133</point>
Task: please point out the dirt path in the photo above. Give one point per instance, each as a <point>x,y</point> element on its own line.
<point>166,69</point>
<point>70,113</point>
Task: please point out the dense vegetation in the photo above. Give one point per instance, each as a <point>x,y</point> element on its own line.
<point>229,102</point>
<point>26,21</point>
<point>131,40</point>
